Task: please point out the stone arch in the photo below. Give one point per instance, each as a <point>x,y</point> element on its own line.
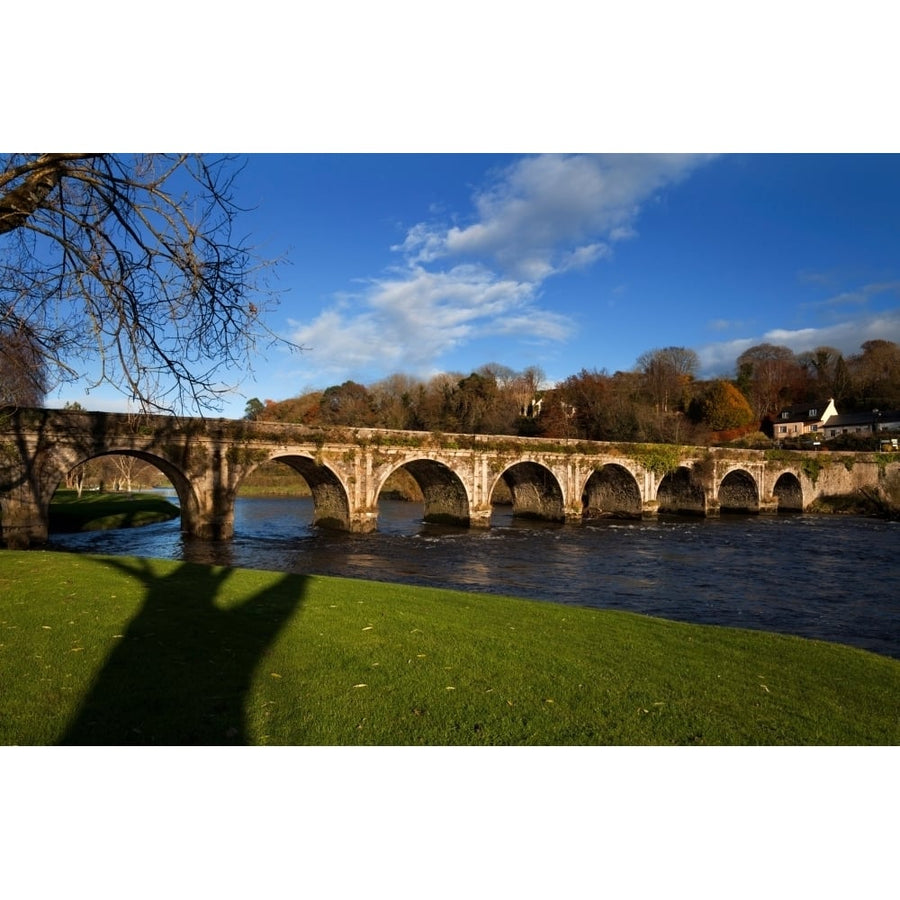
<point>788,492</point>
<point>679,493</point>
<point>331,506</point>
<point>535,491</point>
<point>187,497</point>
<point>445,498</point>
<point>612,490</point>
<point>738,493</point>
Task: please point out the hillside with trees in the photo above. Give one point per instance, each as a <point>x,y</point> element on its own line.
<point>660,400</point>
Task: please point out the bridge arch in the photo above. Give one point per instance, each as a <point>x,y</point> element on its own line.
<point>738,493</point>
<point>331,504</point>
<point>535,491</point>
<point>679,493</point>
<point>445,497</point>
<point>188,501</point>
<point>789,493</point>
<point>612,490</point>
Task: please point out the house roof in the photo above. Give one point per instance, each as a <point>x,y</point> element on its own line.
<point>863,418</point>
<point>812,411</point>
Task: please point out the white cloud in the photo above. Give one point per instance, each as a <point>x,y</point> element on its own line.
<point>847,336</point>
<point>409,321</point>
<point>539,326</point>
<point>861,296</point>
<point>542,210</point>
<point>724,325</point>
<point>582,257</point>
<point>541,216</point>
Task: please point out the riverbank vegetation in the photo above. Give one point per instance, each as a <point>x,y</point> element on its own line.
<point>880,502</point>
<point>124,650</point>
<point>99,510</point>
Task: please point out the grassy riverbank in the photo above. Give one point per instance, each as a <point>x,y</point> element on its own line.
<point>123,650</point>
<point>99,510</point>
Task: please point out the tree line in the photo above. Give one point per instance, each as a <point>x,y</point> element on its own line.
<point>660,400</point>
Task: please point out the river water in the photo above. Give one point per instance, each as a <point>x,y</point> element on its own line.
<point>831,578</point>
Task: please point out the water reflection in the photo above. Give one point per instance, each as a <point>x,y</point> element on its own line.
<point>831,578</point>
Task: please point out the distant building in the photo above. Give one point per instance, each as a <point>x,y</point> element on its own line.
<point>823,421</point>
<point>862,423</point>
<point>804,418</point>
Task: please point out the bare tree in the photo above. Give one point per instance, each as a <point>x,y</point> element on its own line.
<point>23,373</point>
<point>75,479</point>
<point>768,374</point>
<point>130,260</point>
<point>525,387</point>
<point>394,399</point>
<point>126,468</point>
<point>820,366</point>
<point>876,374</point>
<point>667,373</point>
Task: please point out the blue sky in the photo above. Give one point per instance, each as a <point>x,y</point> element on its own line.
<point>443,262</point>
<point>407,252</point>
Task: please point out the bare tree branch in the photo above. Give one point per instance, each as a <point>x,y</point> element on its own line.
<point>131,262</point>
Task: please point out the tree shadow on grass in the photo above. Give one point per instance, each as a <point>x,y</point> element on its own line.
<point>182,669</point>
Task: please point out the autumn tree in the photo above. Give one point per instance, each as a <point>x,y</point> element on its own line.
<point>254,408</point>
<point>470,406</point>
<point>585,400</point>
<point>304,409</point>
<point>129,263</point>
<point>347,404</point>
<point>721,406</point>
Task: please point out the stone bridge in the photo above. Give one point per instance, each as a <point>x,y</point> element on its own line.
<point>207,460</point>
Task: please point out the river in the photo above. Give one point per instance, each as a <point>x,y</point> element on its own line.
<point>831,578</point>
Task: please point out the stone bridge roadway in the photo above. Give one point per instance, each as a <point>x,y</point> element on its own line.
<point>207,460</point>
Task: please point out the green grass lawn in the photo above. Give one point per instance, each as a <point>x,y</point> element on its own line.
<point>99,510</point>
<point>122,650</point>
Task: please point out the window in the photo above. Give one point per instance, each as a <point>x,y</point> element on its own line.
<point>813,413</point>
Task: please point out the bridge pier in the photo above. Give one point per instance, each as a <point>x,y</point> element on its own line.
<point>207,498</point>
<point>22,525</point>
<point>480,517</point>
<point>214,528</point>
<point>24,507</point>
<point>363,521</point>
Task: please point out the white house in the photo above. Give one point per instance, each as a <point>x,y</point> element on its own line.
<point>805,418</point>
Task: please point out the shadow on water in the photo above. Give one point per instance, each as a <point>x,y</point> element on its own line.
<point>180,673</point>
